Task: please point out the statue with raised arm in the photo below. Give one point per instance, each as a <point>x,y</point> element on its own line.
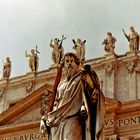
<point>79,47</point>
<point>58,51</point>
<point>77,111</point>
<point>33,60</point>
<point>7,68</point>
<point>133,39</point>
<point>109,43</point>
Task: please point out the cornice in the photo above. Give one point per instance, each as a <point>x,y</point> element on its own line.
<point>19,127</point>
<point>18,81</point>
<point>49,74</point>
<point>130,106</point>
<point>114,106</point>
<point>110,58</point>
<point>23,104</point>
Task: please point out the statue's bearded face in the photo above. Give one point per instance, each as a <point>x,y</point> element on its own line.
<point>70,66</point>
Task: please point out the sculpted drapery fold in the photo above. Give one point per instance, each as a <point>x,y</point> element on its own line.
<point>64,120</point>
<point>78,109</point>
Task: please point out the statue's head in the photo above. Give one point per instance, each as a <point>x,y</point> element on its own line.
<point>71,64</point>
<point>78,40</point>
<point>7,59</point>
<point>56,41</point>
<point>72,55</point>
<point>132,29</point>
<point>32,51</point>
<point>109,33</point>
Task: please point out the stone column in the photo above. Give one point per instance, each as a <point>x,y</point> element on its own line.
<point>137,73</point>
<point>131,76</point>
<point>131,79</point>
<point>109,72</point>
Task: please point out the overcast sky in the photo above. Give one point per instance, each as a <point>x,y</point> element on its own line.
<point>27,23</point>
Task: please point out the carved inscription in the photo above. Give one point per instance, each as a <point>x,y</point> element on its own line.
<point>109,122</point>
<point>30,136</point>
<point>128,121</point>
<point>123,122</point>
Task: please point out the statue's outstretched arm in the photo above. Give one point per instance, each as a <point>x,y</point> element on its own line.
<point>27,55</point>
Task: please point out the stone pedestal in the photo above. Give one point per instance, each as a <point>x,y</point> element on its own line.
<point>110,56</point>
<point>132,53</point>
<point>54,65</point>
<point>31,74</point>
<point>3,81</point>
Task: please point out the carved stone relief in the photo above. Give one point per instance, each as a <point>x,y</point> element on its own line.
<point>109,69</point>
<point>29,87</point>
<point>1,94</point>
<point>45,102</point>
<point>131,67</point>
<point>112,137</point>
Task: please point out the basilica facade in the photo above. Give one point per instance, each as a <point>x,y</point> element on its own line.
<point>24,99</point>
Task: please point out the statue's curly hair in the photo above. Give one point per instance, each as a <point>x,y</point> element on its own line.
<point>71,54</point>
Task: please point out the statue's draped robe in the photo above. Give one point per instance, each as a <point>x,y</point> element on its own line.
<point>109,44</point>
<point>134,41</point>
<point>65,122</point>
<point>80,51</point>
<point>57,53</point>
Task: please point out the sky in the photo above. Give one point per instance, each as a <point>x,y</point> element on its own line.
<point>27,23</point>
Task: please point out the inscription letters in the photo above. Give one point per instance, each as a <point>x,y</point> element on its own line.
<point>109,122</point>
<point>129,121</point>
<point>123,122</point>
<point>31,136</point>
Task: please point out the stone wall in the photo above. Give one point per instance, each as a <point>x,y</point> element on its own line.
<point>119,77</point>
<point>14,89</point>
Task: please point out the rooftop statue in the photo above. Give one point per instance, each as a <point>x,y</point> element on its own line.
<point>79,47</point>
<point>109,43</point>
<point>33,59</point>
<point>58,51</point>
<point>133,39</point>
<point>7,68</point>
<point>77,104</point>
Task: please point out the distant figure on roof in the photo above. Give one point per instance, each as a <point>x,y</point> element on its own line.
<point>133,39</point>
<point>109,43</point>
<point>58,51</point>
<point>7,68</point>
<point>33,60</point>
<point>79,47</point>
